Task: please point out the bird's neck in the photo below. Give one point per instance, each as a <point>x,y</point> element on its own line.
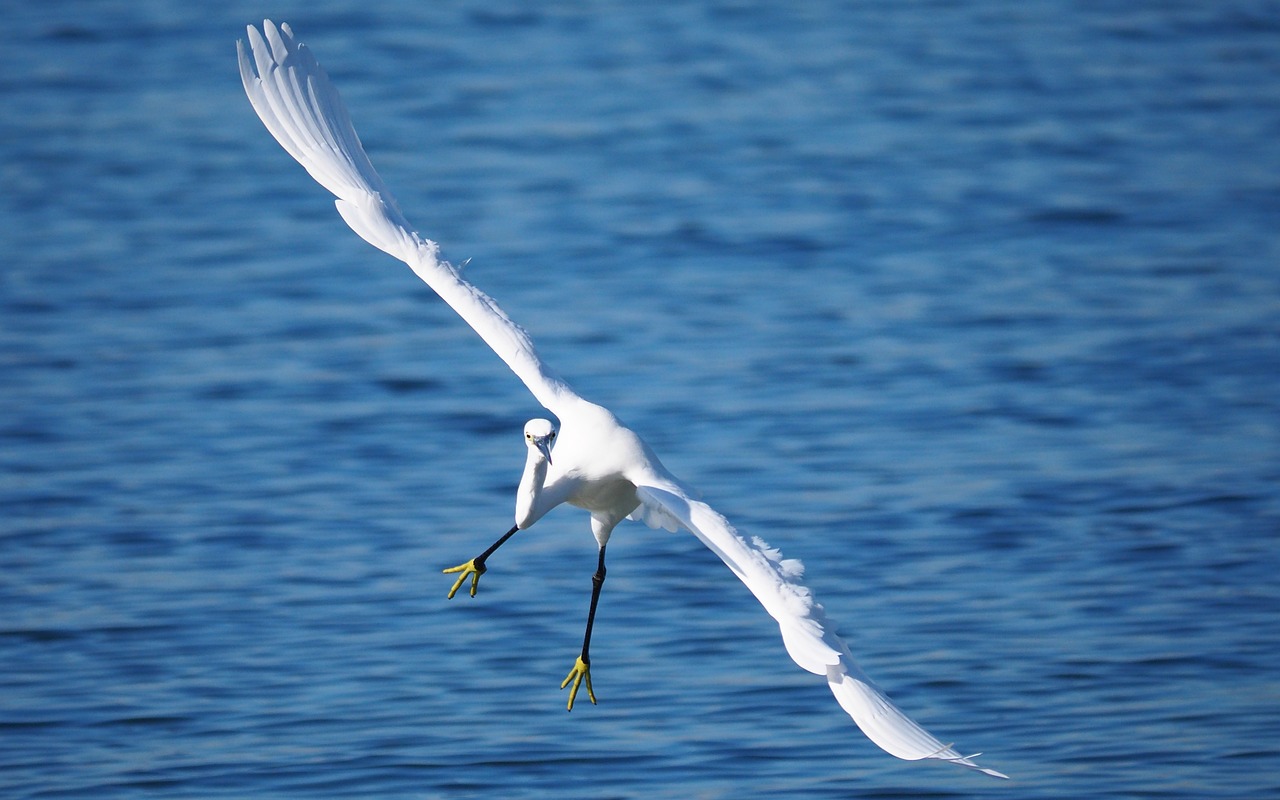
<point>531,483</point>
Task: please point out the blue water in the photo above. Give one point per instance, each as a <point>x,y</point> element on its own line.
<point>975,308</point>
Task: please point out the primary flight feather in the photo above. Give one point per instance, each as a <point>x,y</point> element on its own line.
<point>592,461</point>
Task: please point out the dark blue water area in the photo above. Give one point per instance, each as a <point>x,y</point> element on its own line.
<point>973,307</point>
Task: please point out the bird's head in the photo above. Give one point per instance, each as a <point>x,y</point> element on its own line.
<point>540,434</point>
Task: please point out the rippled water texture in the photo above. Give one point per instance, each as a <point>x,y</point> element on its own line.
<point>975,308</point>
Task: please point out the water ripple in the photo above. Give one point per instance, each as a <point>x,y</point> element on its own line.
<point>973,312</point>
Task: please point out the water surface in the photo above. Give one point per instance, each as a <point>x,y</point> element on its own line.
<point>974,308</point>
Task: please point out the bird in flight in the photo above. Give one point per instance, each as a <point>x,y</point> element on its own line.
<point>592,460</point>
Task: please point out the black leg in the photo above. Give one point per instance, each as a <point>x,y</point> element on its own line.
<point>597,583</point>
<point>501,541</point>
<point>475,567</point>
<point>582,667</point>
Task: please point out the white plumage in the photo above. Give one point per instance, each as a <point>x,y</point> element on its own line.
<point>593,461</point>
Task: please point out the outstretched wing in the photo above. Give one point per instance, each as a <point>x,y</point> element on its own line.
<point>303,111</point>
<point>809,638</point>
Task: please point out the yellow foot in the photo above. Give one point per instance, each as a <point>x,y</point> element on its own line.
<point>581,669</point>
<point>470,568</point>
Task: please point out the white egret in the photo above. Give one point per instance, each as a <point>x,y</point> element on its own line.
<point>592,461</point>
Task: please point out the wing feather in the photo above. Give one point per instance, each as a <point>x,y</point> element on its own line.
<point>810,640</point>
<point>300,107</point>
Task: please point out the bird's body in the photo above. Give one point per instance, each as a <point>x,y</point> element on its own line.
<point>592,460</point>
<point>598,464</point>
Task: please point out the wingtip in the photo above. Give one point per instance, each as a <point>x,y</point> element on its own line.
<point>994,773</point>
<point>967,761</point>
